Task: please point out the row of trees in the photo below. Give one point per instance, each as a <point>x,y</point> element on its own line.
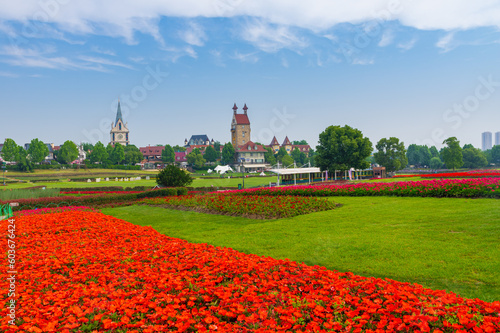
<point>37,152</point>
<point>112,155</point>
<point>341,148</point>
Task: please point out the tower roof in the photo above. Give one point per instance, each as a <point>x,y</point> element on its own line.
<point>274,142</point>
<point>242,119</point>
<point>235,107</point>
<point>118,114</point>
<point>286,142</point>
<point>245,107</point>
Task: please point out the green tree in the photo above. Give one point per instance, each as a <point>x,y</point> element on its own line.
<point>311,157</point>
<point>419,156</point>
<point>68,152</point>
<point>287,161</point>
<point>132,155</point>
<point>99,154</point>
<point>301,142</point>
<point>495,155</point>
<point>473,158</point>
<point>436,163</point>
<point>87,147</point>
<point>109,150</point>
<point>467,145</point>
<point>391,154</point>
<point>342,148</point>
<point>22,161</point>
<point>10,150</point>
<point>434,151</point>
<point>168,154</point>
<point>217,147</point>
<point>299,157</point>
<point>172,176</point>
<point>118,154</point>
<point>37,151</point>
<point>210,154</point>
<point>227,154</point>
<point>195,158</point>
<point>281,153</point>
<point>412,155</point>
<point>178,148</point>
<point>425,155</point>
<point>269,156</point>
<point>452,153</point>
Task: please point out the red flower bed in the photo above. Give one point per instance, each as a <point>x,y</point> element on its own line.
<point>451,188</point>
<point>84,272</point>
<point>465,174</point>
<point>251,206</point>
<point>53,210</point>
<point>99,192</point>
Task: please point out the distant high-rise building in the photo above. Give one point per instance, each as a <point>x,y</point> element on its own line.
<point>497,139</point>
<point>486,140</point>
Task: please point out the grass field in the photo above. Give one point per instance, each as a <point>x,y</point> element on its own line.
<point>450,244</point>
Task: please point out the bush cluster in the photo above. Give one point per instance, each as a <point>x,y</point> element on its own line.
<point>92,200</point>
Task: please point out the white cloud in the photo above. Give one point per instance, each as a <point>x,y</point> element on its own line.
<point>125,16</point>
<point>406,46</point>
<point>7,74</point>
<point>363,61</point>
<point>386,39</point>
<point>103,61</point>
<point>246,57</point>
<point>271,38</point>
<point>193,35</point>
<point>44,58</point>
<point>101,50</point>
<point>446,43</point>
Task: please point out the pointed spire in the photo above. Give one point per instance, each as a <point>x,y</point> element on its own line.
<point>245,108</point>
<point>235,108</point>
<point>118,113</point>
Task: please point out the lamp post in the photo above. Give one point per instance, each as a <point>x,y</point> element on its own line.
<point>242,171</point>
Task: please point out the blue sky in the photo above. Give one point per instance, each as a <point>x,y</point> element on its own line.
<point>421,71</point>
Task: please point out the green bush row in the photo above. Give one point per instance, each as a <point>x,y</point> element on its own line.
<point>163,192</point>
<point>91,200</point>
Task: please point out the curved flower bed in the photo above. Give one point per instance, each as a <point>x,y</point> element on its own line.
<point>452,188</point>
<point>84,272</point>
<point>259,206</point>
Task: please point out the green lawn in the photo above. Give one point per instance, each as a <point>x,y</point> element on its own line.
<point>450,244</point>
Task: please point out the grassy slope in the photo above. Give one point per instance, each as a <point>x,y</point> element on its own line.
<point>450,244</point>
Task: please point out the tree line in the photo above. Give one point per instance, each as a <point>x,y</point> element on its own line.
<point>27,160</point>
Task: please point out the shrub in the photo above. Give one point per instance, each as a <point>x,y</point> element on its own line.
<point>172,176</point>
<point>163,192</point>
<point>182,191</point>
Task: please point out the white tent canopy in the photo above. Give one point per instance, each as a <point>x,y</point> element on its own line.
<point>222,169</point>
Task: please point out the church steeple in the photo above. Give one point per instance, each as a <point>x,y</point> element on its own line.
<point>118,113</point>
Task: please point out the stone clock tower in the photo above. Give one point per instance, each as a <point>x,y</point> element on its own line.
<point>240,127</point>
<point>119,131</point>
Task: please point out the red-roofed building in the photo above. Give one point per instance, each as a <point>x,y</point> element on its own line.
<point>240,127</point>
<point>250,157</point>
<point>180,158</point>
<point>289,147</point>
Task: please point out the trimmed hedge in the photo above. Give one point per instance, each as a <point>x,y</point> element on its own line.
<point>93,200</point>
